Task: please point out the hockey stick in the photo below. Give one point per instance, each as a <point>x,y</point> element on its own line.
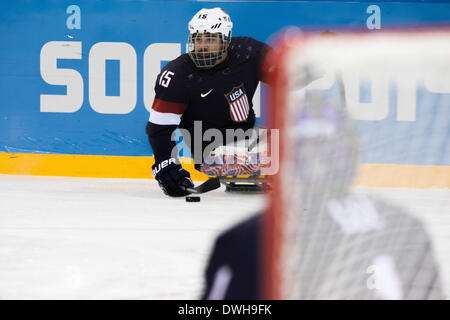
<point>208,185</point>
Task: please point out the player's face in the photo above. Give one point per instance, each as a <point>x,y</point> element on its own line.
<point>207,45</point>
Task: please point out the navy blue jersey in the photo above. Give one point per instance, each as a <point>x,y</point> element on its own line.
<point>233,270</point>
<point>220,97</point>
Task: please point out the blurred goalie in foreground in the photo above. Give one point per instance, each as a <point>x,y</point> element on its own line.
<point>334,244</point>
<point>207,93</point>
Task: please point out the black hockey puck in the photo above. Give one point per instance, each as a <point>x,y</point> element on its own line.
<point>192,199</point>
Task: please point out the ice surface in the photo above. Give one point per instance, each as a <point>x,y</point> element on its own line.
<point>84,238</point>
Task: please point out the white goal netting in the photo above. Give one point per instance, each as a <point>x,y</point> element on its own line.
<point>362,117</point>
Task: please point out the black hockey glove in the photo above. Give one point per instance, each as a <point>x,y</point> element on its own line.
<point>170,175</point>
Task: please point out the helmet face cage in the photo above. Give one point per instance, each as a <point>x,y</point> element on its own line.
<point>209,37</point>
<point>207,49</point>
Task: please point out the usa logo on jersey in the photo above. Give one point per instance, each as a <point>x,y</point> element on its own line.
<point>239,105</point>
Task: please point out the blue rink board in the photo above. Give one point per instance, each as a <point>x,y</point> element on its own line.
<point>26,26</point>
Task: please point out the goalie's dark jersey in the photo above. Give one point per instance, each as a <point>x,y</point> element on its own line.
<point>220,97</point>
<point>353,248</point>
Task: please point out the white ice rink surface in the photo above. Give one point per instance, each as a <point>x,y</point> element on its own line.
<point>83,238</point>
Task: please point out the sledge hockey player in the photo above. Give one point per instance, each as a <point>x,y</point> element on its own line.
<point>206,92</point>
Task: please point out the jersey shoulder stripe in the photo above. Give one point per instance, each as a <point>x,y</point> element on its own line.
<point>168,107</point>
<point>164,118</point>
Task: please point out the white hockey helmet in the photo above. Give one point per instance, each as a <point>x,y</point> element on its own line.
<point>209,25</point>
